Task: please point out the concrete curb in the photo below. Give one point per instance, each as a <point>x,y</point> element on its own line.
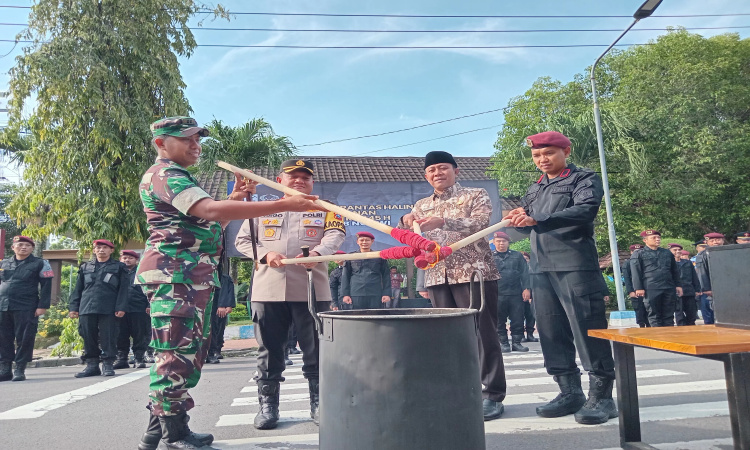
<point>54,362</point>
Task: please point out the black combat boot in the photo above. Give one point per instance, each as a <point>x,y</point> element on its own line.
<point>107,369</point>
<point>91,370</point>
<point>212,359</point>
<point>139,362</point>
<point>600,407</point>
<point>504,345</point>
<point>18,374</point>
<point>268,400</point>
<point>530,337</point>
<point>570,399</point>
<point>294,351</point>
<point>152,436</point>
<point>150,356</point>
<point>517,347</point>
<point>288,361</point>
<point>177,435</point>
<point>491,409</point>
<point>314,400</point>
<point>5,372</point>
<point>122,361</point>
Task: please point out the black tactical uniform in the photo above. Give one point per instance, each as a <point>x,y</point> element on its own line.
<point>366,281</point>
<point>514,279</point>
<point>656,272</point>
<point>136,324</point>
<point>641,315</point>
<point>26,286</point>
<point>690,287</point>
<point>568,291</point>
<point>101,290</point>
<point>225,298</point>
<point>334,282</point>
<point>704,277</point>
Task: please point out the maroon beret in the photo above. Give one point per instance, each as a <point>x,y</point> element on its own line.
<point>673,245</point>
<point>650,233</point>
<point>104,242</point>
<point>685,252</point>
<point>548,139</point>
<point>24,239</point>
<point>366,234</point>
<point>713,235</point>
<point>500,234</point>
<point>132,253</point>
<point>636,247</point>
<point>339,252</point>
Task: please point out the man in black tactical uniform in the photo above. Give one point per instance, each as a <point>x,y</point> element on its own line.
<point>366,283</point>
<point>137,323</point>
<point>559,211</point>
<point>223,305</point>
<point>687,309</point>
<point>657,279</point>
<point>100,296</point>
<point>24,296</point>
<point>334,283</point>
<point>704,276</point>
<point>641,315</point>
<point>512,290</point>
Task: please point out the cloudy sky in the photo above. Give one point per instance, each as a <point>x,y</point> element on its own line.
<point>319,95</point>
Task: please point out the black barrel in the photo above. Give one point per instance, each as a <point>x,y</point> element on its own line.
<point>400,379</point>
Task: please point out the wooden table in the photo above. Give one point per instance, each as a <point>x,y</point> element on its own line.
<point>729,345</point>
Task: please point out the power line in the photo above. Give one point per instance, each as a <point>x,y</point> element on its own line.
<point>428,140</point>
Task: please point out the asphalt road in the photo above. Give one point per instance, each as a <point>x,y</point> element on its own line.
<point>683,405</point>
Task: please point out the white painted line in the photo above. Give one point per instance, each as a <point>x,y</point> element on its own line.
<point>707,444</point>
<point>253,389</point>
<point>290,377</point>
<point>231,420</point>
<point>41,407</point>
<point>549,380</point>
<point>283,442</point>
<point>288,398</point>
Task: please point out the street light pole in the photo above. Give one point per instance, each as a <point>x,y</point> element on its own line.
<point>644,11</point>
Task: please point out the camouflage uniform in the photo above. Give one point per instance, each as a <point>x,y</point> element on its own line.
<point>178,271</point>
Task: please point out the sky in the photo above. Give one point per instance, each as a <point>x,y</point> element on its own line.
<point>318,95</point>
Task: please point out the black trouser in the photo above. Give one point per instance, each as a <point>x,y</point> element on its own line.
<point>368,302</point>
<point>660,304</point>
<point>492,369</point>
<point>98,329</point>
<point>136,325</point>
<point>272,321</point>
<point>686,311</point>
<point>510,307</point>
<point>568,305</point>
<point>218,325</point>
<point>17,334</point>
<point>291,338</point>
<point>530,316</point>
<point>641,315</point>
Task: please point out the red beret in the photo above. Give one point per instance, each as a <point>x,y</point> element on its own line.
<point>548,139</point>
<point>674,246</point>
<point>366,234</point>
<point>650,233</point>
<point>713,235</point>
<point>635,247</point>
<point>685,252</point>
<point>104,242</point>
<point>24,239</point>
<point>500,234</point>
<point>339,252</point>
<point>132,253</point>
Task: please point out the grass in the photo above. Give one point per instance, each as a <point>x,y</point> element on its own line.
<point>238,322</point>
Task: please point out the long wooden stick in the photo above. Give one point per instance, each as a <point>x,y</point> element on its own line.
<point>327,258</point>
<point>478,235</point>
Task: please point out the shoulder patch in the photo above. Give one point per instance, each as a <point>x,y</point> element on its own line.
<point>334,221</point>
<point>46,271</point>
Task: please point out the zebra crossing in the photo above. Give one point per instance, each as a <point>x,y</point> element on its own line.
<point>528,385</point>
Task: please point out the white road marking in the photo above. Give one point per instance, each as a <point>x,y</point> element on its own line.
<point>288,398</point>
<point>707,444</point>
<point>253,389</point>
<point>247,419</point>
<point>549,380</point>
<point>41,407</point>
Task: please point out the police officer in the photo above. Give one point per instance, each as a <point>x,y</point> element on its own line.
<point>513,289</point>
<point>98,299</point>
<point>24,296</point>
<point>641,315</point>
<point>178,272</point>
<point>742,237</point>
<point>656,278</point>
<point>334,282</point>
<point>559,211</point>
<point>528,312</point>
<point>280,291</point>
<point>366,284</point>
<point>222,306</point>
<point>136,324</point>
<point>686,311</point>
<point>704,276</point>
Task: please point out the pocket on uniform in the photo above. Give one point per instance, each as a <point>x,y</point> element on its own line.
<point>172,324</point>
<point>589,300</point>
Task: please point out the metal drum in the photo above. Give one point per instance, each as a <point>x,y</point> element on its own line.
<point>400,379</point>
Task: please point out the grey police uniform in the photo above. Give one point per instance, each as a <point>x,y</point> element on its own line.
<point>656,272</point>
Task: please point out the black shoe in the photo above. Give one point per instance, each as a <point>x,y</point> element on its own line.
<point>294,351</point>
<point>177,435</point>
<point>108,369</point>
<point>517,347</point>
<point>288,361</point>
<point>314,400</point>
<point>149,358</point>
<point>599,407</point>
<point>18,374</point>
<point>570,399</point>
<point>5,372</point>
<point>121,364</point>
<point>152,436</point>
<point>268,399</point>
<point>530,337</point>
<point>139,364</point>
<point>220,356</point>
<point>212,359</point>
<point>491,409</point>
<point>504,345</point>
<point>91,370</point>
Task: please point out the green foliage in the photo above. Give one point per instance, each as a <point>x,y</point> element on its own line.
<point>11,227</point>
<point>239,313</point>
<point>523,245</point>
<point>99,73</point>
<point>52,323</point>
<point>67,282</point>
<point>70,341</point>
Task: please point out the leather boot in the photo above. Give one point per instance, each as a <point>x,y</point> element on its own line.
<point>530,337</point>
<point>599,407</point>
<point>212,359</point>
<point>91,370</point>
<point>5,372</point>
<point>268,400</point>
<point>517,347</point>
<point>122,361</point>
<point>314,400</point>
<point>139,361</point>
<point>288,361</point>
<point>491,409</point>
<point>18,374</point>
<point>177,435</point>
<point>504,343</point>
<point>107,369</point>
<point>570,399</point>
<point>152,436</point>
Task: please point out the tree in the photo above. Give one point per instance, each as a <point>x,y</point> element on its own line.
<point>11,227</point>
<point>100,72</point>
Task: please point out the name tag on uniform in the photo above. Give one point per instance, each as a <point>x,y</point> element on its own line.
<point>107,277</point>
<point>562,189</point>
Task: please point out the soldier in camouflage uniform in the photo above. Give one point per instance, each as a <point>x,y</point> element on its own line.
<point>178,273</point>
<point>452,213</point>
